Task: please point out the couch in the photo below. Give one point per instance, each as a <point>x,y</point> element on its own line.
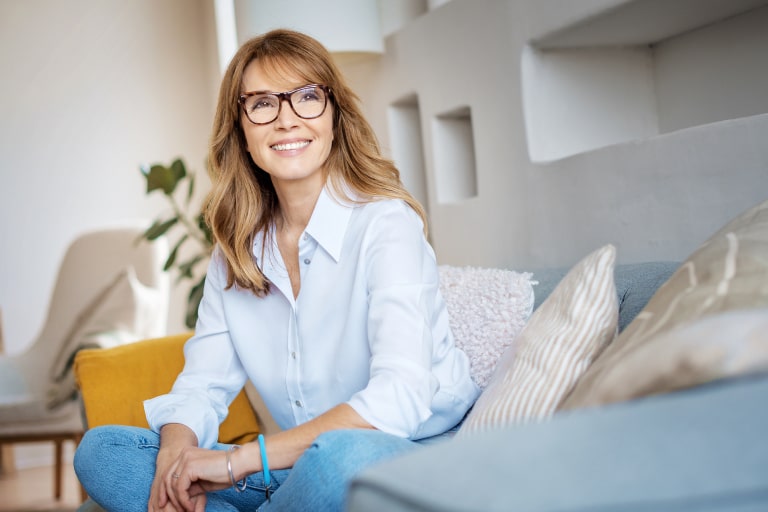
<point>675,432</point>
<point>669,414</point>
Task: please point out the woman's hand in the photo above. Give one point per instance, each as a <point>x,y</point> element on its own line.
<point>195,472</point>
<point>158,494</point>
<point>174,438</point>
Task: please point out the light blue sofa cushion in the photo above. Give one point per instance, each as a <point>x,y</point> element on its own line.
<point>703,449</point>
<point>635,285</point>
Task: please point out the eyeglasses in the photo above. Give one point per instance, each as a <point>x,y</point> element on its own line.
<point>308,102</point>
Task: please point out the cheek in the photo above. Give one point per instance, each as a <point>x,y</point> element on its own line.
<point>251,142</point>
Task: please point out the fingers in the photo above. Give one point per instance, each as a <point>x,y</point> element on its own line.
<point>186,480</point>
<point>200,503</point>
<point>181,492</point>
<point>184,493</point>
<point>158,496</point>
<point>175,488</point>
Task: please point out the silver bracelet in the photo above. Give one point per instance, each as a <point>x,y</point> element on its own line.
<point>239,486</point>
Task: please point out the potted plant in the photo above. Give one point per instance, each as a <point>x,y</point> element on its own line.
<point>174,180</point>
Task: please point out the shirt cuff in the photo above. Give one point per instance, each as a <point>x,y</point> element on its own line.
<point>188,410</point>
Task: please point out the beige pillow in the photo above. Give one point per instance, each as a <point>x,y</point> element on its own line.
<point>487,309</point>
<point>711,348</point>
<point>125,310</point>
<point>728,272</point>
<point>555,347</point>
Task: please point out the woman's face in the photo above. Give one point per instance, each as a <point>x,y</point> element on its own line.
<point>290,148</point>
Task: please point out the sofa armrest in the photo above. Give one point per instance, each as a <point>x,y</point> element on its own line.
<point>114,383</point>
<point>701,449</point>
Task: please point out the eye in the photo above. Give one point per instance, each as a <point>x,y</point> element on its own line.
<point>261,103</point>
<point>310,94</point>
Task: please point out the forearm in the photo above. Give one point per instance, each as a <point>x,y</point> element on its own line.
<point>284,448</point>
<point>174,437</point>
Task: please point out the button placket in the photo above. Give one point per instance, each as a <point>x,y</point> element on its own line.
<point>307,247</point>
<point>293,374</point>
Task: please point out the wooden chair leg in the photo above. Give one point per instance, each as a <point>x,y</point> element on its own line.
<point>83,494</point>
<point>58,468</point>
<point>7,461</point>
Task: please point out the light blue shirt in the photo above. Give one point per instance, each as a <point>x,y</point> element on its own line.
<point>369,328</point>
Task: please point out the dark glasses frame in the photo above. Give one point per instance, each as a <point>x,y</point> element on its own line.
<point>284,96</point>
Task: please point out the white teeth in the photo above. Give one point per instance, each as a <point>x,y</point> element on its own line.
<point>290,145</point>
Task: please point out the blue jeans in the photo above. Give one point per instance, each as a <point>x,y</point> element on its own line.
<point>116,466</point>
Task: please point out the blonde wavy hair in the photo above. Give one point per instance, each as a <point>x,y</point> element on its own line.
<point>243,201</point>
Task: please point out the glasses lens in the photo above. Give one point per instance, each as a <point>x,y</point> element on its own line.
<point>308,102</point>
<point>262,108</point>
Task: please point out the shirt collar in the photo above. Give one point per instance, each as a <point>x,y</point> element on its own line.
<point>327,225</point>
<point>329,222</point>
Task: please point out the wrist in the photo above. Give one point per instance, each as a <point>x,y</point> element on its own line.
<point>175,436</point>
<point>237,485</point>
<point>246,460</point>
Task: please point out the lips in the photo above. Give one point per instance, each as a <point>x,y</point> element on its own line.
<point>288,146</point>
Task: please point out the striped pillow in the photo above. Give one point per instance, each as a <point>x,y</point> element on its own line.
<point>728,272</point>
<point>556,346</point>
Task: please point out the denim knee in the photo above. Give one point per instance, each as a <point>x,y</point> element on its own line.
<point>347,452</point>
<point>99,443</point>
<point>113,462</point>
<point>319,479</point>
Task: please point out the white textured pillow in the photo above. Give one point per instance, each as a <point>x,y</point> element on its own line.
<point>487,308</point>
<point>556,346</point>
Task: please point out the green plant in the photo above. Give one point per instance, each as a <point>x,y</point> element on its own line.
<point>184,220</point>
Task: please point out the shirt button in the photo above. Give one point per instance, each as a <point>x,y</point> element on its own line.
<point>307,261</point>
<point>298,403</point>
<point>293,355</point>
<point>306,236</point>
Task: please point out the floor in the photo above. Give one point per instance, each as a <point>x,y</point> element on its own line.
<point>32,489</point>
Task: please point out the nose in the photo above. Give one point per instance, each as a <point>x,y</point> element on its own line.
<point>286,117</point>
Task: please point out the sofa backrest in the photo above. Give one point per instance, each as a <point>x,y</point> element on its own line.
<point>635,285</point>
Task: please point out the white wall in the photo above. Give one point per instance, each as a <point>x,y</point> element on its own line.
<point>654,192</point>
<point>90,90</point>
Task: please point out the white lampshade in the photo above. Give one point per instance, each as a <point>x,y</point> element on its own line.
<point>343,26</point>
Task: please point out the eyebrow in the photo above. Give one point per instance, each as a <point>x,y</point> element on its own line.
<point>310,84</point>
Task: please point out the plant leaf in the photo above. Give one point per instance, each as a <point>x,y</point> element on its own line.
<point>178,169</point>
<point>193,303</point>
<point>185,269</point>
<point>205,229</point>
<point>158,229</point>
<point>172,256</point>
<point>162,178</point>
<point>191,189</point>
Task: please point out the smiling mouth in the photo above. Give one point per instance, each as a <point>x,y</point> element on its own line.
<point>291,145</point>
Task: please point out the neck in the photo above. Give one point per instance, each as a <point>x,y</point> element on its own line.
<point>297,202</point>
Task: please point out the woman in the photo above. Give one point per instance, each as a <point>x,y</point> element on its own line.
<point>322,290</point>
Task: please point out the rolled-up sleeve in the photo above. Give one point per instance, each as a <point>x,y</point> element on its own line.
<point>213,374</point>
<point>402,289</point>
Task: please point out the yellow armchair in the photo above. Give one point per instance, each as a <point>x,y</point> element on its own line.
<point>114,382</point>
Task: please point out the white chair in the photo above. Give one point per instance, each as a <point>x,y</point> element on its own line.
<point>110,289</point>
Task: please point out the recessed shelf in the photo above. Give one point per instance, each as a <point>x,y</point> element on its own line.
<point>643,22</point>
<point>408,145</point>
<point>600,82</point>
<point>454,152</point>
